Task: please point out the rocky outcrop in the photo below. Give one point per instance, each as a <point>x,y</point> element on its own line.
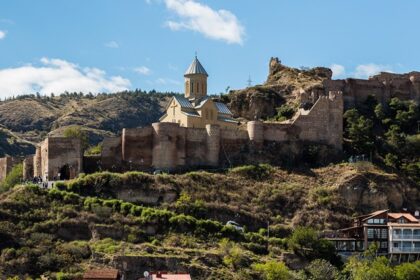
<point>368,192</point>
<point>284,85</point>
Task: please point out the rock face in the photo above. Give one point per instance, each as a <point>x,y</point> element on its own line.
<point>369,192</point>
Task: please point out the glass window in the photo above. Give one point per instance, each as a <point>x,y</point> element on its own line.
<point>396,232</point>
<point>396,244</point>
<point>384,233</point>
<point>370,232</point>
<point>370,221</point>
<point>417,245</point>
<point>384,245</point>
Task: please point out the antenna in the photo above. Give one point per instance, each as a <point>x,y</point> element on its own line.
<point>249,81</point>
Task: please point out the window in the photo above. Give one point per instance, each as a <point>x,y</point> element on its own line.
<point>206,114</point>
<point>384,233</point>
<point>198,87</point>
<point>192,87</point>
<point>396,244</point>
<point>384,245</point>
<point>211,114</point>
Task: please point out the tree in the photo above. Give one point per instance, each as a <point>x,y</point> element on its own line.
<point>79,133</point>
<point>320,269</point>
<point>359,131</point>
<point>273,270</point>
<point>366,269</point>
<point>408,271</point>
<point>14,177</point>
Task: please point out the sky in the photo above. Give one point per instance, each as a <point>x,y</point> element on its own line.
<point>108,45</point>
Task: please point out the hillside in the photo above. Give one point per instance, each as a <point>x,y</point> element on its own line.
<point>175,222</point>
<point>31,118</point>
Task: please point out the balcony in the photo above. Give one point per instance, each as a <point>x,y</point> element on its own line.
<point>405,250</point>
<point>406,236</point>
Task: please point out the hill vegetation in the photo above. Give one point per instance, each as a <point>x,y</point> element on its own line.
<point>31,117</point>
<point>178,222</point>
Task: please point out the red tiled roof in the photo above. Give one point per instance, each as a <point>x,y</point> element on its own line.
<point>105,273</point>
<point>171,277</point>
<point>408,216</point>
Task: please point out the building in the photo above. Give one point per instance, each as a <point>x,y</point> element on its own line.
<point>102,274</point>
<point>397,235</point>
<point>169,276</point>
<point>195,109</point>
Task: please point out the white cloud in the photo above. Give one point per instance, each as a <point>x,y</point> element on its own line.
<point>57,76</point>
<point>338,70</point>
<point>366,70</point>
<point>112,45</point>
<point>2,34</point>
<point>214,24</point>
<point>142,70</point>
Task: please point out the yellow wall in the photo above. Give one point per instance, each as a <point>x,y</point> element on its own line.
<point>208,115</point>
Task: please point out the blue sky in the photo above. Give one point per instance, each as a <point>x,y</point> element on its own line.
<point>108,45</point>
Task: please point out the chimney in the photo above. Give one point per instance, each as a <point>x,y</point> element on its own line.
<point>417,214</point>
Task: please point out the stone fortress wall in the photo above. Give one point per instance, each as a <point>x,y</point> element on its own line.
<point>169,146</point>
<point>383,87</point>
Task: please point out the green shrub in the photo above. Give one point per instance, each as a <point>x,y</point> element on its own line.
<point>408,271</point>
<point>256,172</point>
<point>322,270</point>
<point>273,270</point>
<point>233,255</point>
<point>183,223</point>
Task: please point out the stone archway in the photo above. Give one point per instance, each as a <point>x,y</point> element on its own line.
<point>65,172</point>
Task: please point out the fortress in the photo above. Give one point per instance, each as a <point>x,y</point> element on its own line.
<point>195,132</point>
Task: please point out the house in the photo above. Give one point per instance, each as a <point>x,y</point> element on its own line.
<point>195,109</point>
<point>168,276</point>
<point>397,235</point>
<point>102,274</point>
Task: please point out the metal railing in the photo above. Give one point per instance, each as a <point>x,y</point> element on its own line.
<point>406,250</point>
<point>406,236</point>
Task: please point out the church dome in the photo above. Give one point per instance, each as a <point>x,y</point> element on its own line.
<point>196,68</point>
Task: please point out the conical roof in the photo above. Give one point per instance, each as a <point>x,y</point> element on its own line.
<point>196,68</point>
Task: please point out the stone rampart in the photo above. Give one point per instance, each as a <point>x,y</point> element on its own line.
<point>383,87</point>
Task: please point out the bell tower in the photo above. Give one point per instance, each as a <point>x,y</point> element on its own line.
<point>195,80</point>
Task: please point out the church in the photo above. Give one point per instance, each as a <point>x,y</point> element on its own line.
<point>195,109</point>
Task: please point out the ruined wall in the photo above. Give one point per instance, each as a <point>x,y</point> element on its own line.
<point>323,122</point>
<point>383,87</point>
<point>137,147</point>
<point>38,162</point>
<point>60,155</point>
<point>28,168</point>
<point>111,155</point>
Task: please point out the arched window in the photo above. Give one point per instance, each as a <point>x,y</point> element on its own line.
<point>192,87</point>
<point>198,87</point>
